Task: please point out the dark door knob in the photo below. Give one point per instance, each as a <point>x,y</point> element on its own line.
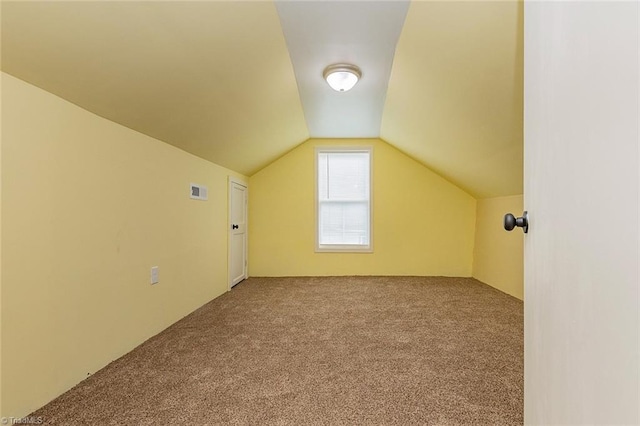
<point>234,226</point>
<point>510,222</point>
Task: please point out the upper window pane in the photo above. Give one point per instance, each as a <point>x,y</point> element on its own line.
<point>343,176</point>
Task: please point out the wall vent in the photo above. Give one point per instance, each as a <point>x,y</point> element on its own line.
<point>198,192</point>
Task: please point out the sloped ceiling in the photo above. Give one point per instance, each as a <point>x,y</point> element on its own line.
<point>455,97</point>
<point>213,78</point>
<point>216,78</point>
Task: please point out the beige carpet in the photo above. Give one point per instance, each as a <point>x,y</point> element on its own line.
<point>325,351</point>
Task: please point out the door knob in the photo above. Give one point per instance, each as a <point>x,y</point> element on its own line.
<point>510,222</point>
<point>234,226</point>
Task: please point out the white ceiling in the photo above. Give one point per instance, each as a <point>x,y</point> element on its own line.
<point>363,33</point>
<point>240,82</point>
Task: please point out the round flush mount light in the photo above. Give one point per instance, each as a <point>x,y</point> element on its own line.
<point>342,77</point>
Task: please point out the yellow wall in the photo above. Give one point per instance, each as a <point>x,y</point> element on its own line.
<point>88,206</point>
<point>498,258</point>
<point>422,224</point>
<point>1,411</point>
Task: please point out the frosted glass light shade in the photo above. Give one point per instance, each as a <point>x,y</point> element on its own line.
<point>342,77</point>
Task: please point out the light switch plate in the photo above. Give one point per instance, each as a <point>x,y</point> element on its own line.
<point>154,275</point>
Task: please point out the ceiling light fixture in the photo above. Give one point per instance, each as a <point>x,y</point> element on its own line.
<point>342,77</point>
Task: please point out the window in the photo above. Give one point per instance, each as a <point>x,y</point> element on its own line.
<point>343,196</point>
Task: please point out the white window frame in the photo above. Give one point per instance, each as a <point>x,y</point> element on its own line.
<point>344,248</point>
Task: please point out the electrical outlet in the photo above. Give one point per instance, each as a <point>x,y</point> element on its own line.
<point>154,275</point>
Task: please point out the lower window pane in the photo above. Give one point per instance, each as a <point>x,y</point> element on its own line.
<point>344,223</point>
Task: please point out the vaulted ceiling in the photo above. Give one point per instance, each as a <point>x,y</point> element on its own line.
<point>240,82</point>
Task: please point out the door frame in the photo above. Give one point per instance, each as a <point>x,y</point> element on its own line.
<point>241,182</point>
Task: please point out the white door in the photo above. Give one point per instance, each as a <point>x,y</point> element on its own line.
<point>581,192</point>
<point>237,231</point>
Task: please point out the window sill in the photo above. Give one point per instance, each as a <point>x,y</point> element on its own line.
<point>344,249</point>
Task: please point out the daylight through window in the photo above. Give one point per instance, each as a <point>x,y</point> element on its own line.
<point>344,199</point>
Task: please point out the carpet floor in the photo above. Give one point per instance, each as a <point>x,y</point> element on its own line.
<point>320,351</point>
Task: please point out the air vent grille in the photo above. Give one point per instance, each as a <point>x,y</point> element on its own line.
<point>198,192</point>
